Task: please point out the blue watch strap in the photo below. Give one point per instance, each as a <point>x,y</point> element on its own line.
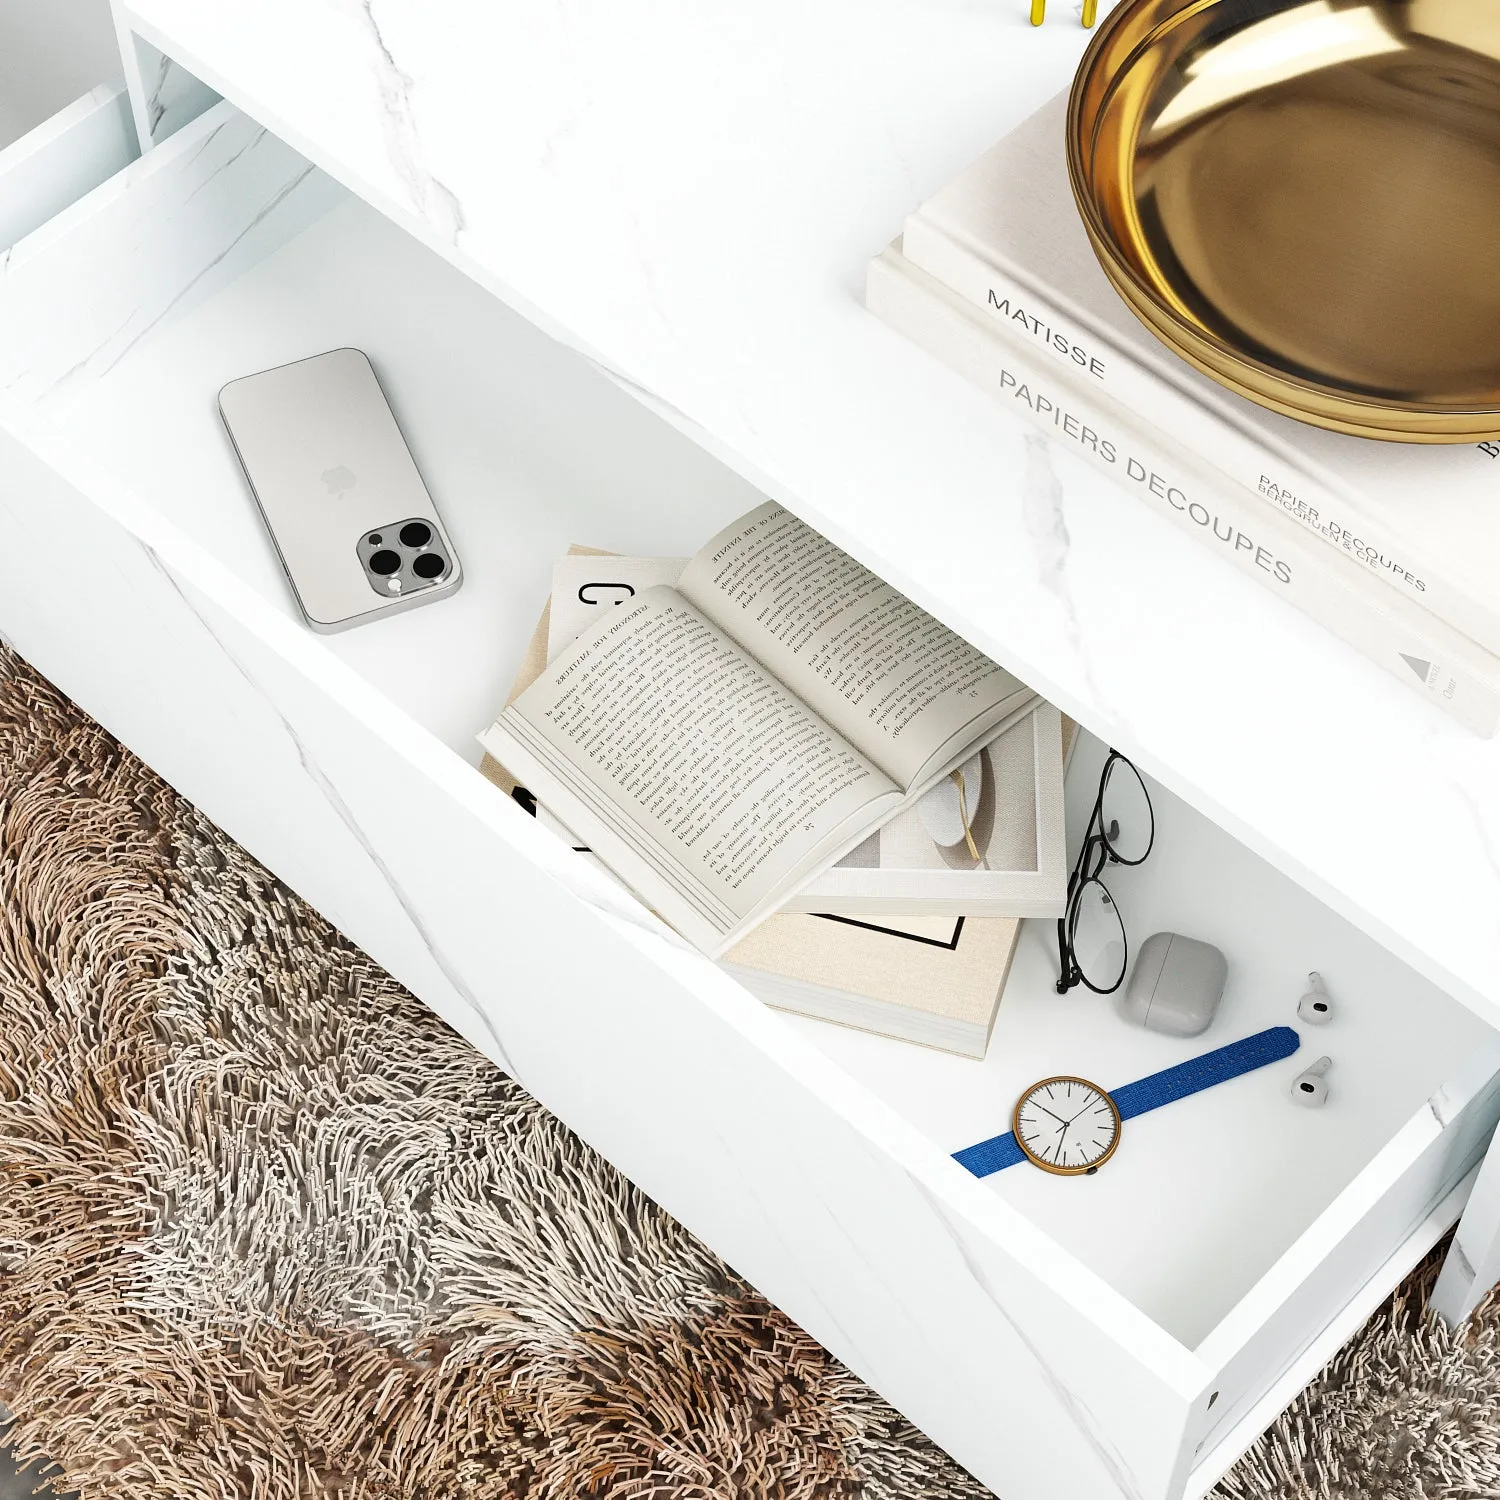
<point>1200,1073</point>
<point>991,1155</point>
<point>1171,1084</point>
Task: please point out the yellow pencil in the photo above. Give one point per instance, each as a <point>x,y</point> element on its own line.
<point>1038,12</point>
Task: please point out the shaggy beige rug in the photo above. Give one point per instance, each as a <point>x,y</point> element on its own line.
<point>269,1230</point>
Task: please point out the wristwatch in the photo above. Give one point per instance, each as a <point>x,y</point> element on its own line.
<point>1071,1127</point>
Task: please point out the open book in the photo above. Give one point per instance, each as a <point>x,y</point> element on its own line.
<point>719,743</point>
<point>988,840</point>
<point>933,980</point>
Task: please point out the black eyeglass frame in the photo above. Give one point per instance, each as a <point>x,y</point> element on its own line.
<point>1098,851</point>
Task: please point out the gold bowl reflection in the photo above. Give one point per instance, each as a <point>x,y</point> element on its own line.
<point>1303,200</point>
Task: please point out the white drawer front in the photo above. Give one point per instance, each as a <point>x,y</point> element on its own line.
<point>136,576</point>
<point>1392,1203</point>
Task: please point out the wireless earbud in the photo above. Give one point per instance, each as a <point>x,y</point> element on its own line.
<point>1315,1007</point>
<point>1310,1089</point>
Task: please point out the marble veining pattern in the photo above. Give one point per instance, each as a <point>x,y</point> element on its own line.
<point>167,96</point>
<point>345,815</point>
<point>1077,1411</point>
<point>1047,522</point>
<point>106,362</point>
<point>1047,567</point>
<point>688,200</point>
<point>235,163</point>
<point>431,198</point>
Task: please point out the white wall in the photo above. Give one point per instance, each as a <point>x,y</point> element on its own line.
<point>51,53</point>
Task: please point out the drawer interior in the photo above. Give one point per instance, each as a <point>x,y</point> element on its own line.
<point>1205,1196</point>
<point>525,447</point>
<point>222,254</point>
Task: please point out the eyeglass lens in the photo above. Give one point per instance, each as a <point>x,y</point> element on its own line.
<point>1126,818</point>
<point>1096,936</point>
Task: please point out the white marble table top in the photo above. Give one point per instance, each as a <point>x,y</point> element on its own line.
<point>688,194</point>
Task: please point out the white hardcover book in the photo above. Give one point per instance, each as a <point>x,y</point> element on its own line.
<point>988,842</point>
<point>1005,236</point>
<point>1325,583</point>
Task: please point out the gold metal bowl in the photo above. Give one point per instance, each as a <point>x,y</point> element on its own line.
<point>1303,200</point>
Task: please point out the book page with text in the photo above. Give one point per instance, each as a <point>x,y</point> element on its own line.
<point>899,685</point>
<point>688,768</point>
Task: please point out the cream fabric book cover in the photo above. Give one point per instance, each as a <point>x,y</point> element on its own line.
<point>932,980</point>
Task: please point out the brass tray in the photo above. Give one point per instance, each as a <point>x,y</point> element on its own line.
<point>1303,201</point>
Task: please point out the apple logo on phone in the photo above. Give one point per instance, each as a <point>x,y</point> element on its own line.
<point>339,480</point>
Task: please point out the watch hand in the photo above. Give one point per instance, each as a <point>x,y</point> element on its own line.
<point>1058,1118</point>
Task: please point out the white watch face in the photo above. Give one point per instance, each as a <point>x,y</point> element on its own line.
<point>1067,1125</point>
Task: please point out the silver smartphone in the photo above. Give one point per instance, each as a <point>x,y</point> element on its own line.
<point>352,521</point>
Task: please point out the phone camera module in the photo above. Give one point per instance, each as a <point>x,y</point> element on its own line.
<point>406,557</point>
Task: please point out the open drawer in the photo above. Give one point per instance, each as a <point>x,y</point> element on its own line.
<point>1122,1335</point>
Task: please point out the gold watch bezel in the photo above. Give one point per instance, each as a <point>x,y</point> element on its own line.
<point>1047,1166</point>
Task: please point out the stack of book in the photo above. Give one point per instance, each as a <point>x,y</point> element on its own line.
<point>809,777</point>
<point>1392,546</point>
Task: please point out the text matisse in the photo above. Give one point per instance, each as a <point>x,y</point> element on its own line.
<point>1059,342</point>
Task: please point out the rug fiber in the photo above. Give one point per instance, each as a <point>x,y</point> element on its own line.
<point>269,1230</point>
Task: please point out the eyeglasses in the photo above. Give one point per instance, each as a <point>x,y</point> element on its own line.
<point>1091,944</point>
<point>1039,12</point>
